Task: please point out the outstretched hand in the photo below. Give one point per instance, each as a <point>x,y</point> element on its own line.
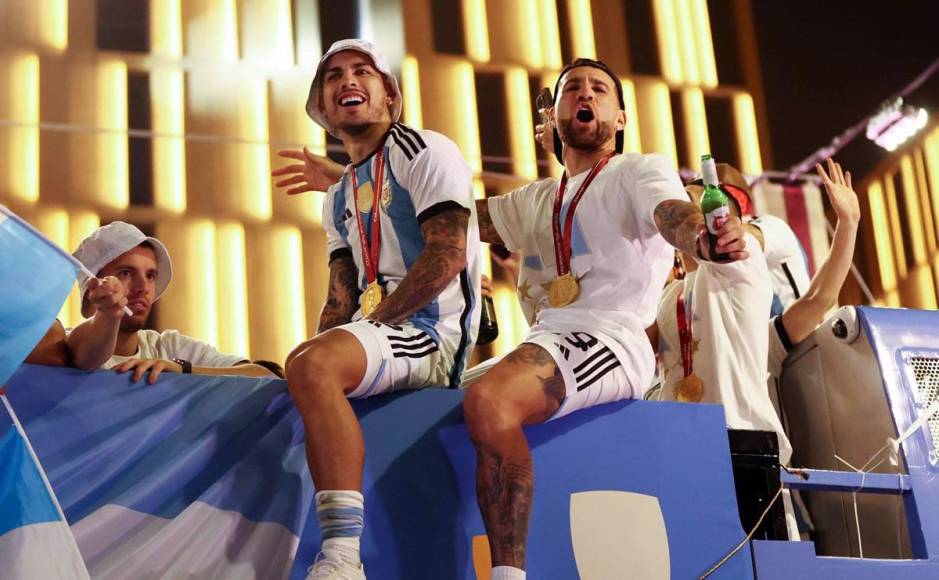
<point>840,192</point>
<point>544,132</point>
<point>729,241</point>
<point>314,173</point>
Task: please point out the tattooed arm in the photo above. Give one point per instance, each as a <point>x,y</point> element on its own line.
<point>443,257</point>
<point>682,225</point>
<point>487,231</point>
<point>343,298</point>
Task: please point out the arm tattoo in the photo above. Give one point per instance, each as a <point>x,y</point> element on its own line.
<point>546,371</point>
<point>443,257</point>
<point>487,230</point>
<point>679,222</point>
<point>343,298</point>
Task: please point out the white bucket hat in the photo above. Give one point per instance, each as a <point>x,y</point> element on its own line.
<point>381,65</point>
<point>105,244</point>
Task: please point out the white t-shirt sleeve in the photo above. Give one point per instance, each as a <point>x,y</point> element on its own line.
<point>655,181</point>
<point>334,240</point>
<point>200,354</point>
<point>438,173</point>
<point>509,212</point>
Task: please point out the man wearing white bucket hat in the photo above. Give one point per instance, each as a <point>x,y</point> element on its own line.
<point>134,270</point>
<point>402,310</point>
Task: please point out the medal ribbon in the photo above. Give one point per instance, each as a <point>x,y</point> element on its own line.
<point>562,242</point>
<point>371,245</point>
<point>685,336</point>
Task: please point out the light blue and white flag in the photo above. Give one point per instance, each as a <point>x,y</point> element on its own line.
<point>35,279</point>
<point>35,540</point>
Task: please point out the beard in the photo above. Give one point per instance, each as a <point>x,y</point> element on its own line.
<point>360,126</point>
<point>134,323</point>
<point>586,140</point>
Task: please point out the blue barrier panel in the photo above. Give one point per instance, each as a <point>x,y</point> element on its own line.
<point>206,477</point>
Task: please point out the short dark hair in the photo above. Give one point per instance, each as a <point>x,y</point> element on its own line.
<point>577,63</point>
<point>271,366</point>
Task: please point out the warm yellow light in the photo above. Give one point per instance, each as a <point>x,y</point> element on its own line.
<point>256,182</point>
<point>112,161</point>
<point>81,225</point>
<point>211,28</point>
<point>169,153</point>
<point>893,216</point>
<point>655,119</point>
<point>479,189</point>
<point>550,36</point>
<point>290,309</point>
<point>485,260</point>
<point>581,19</point>
<point>696,128</point>
<point>466,106</point>
<point>632,140</point>
<point>669,45</point>
<point>19,151</point>
<point>517,96</point>
<point>748,141</point>
<point>268,40</point>
<point>913,216</point>
<point>512,325</point>
<point>477,32</point>
<point>922,187</point>
<point>53,22</point>
<point>411,87</point>
<point>701,27</point>
<point>882,242</point>
<point>232,301</point>
<point>931,159</point>
<point>166,28</point>
<point>190,303</point>
<point>683,21</point>
<point>53,222</point>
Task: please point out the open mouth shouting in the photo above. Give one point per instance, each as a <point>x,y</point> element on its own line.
<point>584,114</point>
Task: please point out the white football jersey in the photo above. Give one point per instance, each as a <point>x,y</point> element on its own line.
<point>617,253</point>
<point>424,174</point>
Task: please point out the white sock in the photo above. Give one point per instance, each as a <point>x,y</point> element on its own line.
<point>507,573</point>
<point>345,549</point>
<point>341,515</point>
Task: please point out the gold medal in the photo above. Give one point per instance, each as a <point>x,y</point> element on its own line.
<point>689,389</point>
<point>365,198</point>
<point>563,291</point>
<point>371,298</point>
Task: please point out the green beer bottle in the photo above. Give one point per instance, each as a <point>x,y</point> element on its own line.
<point>714,206</point>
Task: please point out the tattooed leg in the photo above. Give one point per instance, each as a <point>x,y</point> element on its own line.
<point>525,387</point>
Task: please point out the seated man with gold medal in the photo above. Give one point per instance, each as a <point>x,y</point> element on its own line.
<point>596,251</point>
<point>403,304</point>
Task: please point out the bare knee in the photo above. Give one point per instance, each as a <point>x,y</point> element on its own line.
<point>313,373</point>
<point>488,413</point>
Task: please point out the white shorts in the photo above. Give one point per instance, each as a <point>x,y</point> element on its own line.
<point>592,371</point>
<point>399,357</point>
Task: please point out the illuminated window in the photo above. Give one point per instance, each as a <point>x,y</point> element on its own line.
<point>544,158</point>
<point>448,27</point>
<point>123,25</point>
<point>726,46</point>
<point>722,129</point>
<point>139,150</point>
<point>902,211</point>
<point>564,31</point>
<point>493,134</point>
<point>640,34</point>
<point>681,130</point>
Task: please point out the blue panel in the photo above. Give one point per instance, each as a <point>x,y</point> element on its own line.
<point>824,480</point>
<point>23,496</point>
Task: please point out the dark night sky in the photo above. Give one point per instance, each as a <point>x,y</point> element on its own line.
<point>827,64</point>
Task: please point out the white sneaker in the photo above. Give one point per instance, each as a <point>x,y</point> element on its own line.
<point>327,568</point>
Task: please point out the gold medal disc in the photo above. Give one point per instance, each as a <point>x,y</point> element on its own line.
<point>563,291</point>
<point>371,298</point>
<point>364,198</point>
<point>689,389</point>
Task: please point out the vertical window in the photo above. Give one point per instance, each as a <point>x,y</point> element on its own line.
<point>724,37</point>
<point>722,130</point>
<point>564,33</point>
<point>123,25</point>
<point>543,157</point>
<point>139,149</point>
<point>448,27</point>
<point>640,34</point>
<point>493,122</point>
<point>338,20</point>
<point>681,133</point>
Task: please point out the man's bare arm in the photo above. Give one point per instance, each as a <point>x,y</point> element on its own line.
<point>681,223</point>
<point>443,257</point>
<point>342,299</point>
<point>487,231</point>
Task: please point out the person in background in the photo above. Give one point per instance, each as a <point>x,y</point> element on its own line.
<point>134,270</point>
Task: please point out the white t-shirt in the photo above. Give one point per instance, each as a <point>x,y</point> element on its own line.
<point>786,261</point>
<point>424,174</point>
<point>728,305</point>
<point>170,344</point>
<point>616,251</point>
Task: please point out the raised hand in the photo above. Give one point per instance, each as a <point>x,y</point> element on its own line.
<point>314,173</point>
<point>142,366</point>
<point>544,131</point>
<point>108,296</point>
<point>840,192</point>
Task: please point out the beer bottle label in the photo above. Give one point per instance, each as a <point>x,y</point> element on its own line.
<point>716,218</point>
